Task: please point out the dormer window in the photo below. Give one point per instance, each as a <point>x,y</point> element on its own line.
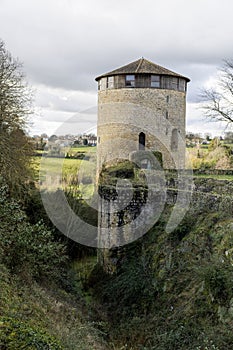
<point>110,82</point>
<point>130,80</point>
<point>155,81</point>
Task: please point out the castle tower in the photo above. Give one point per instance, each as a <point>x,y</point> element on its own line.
<point>141,106</point>
<point>141,119</point>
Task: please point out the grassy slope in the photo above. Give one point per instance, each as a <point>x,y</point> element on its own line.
<point>46,309</point>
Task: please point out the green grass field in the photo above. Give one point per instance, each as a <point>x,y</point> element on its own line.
<point>70,166</point>
<point>72,174</point>
<point>53,164</point>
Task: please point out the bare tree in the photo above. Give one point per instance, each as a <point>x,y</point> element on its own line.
<point>218,101</point>
<point>15,106</point>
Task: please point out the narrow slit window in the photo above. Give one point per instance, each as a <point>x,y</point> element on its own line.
<point>174,140</point>
<point>142,141</point>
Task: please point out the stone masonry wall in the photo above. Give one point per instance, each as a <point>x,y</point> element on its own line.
<point>207,195</point>
<point>124,113</point>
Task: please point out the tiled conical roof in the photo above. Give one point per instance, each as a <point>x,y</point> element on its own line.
<point>142,66</point>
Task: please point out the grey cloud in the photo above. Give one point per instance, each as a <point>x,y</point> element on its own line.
<point>65,44</point>
<point>63,100</point>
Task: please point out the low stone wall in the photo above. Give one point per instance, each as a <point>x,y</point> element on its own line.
<point>126,213</point>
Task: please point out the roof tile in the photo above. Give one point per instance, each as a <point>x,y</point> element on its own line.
<point>141,66</point>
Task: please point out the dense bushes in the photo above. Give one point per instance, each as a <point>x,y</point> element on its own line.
<point>16,334</point>
<point>25,248</point>
<point>217,157</point>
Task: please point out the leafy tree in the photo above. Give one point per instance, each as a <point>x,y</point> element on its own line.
<point>218,105</point>
<point>15,107</point>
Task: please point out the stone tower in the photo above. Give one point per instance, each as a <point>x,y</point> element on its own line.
<point>141,106</point>
<point>141,119</point>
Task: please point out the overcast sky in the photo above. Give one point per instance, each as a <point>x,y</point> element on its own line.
<point>65,44</point>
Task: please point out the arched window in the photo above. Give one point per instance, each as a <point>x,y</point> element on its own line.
<point>142,140</point>
<point>174,140</point>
